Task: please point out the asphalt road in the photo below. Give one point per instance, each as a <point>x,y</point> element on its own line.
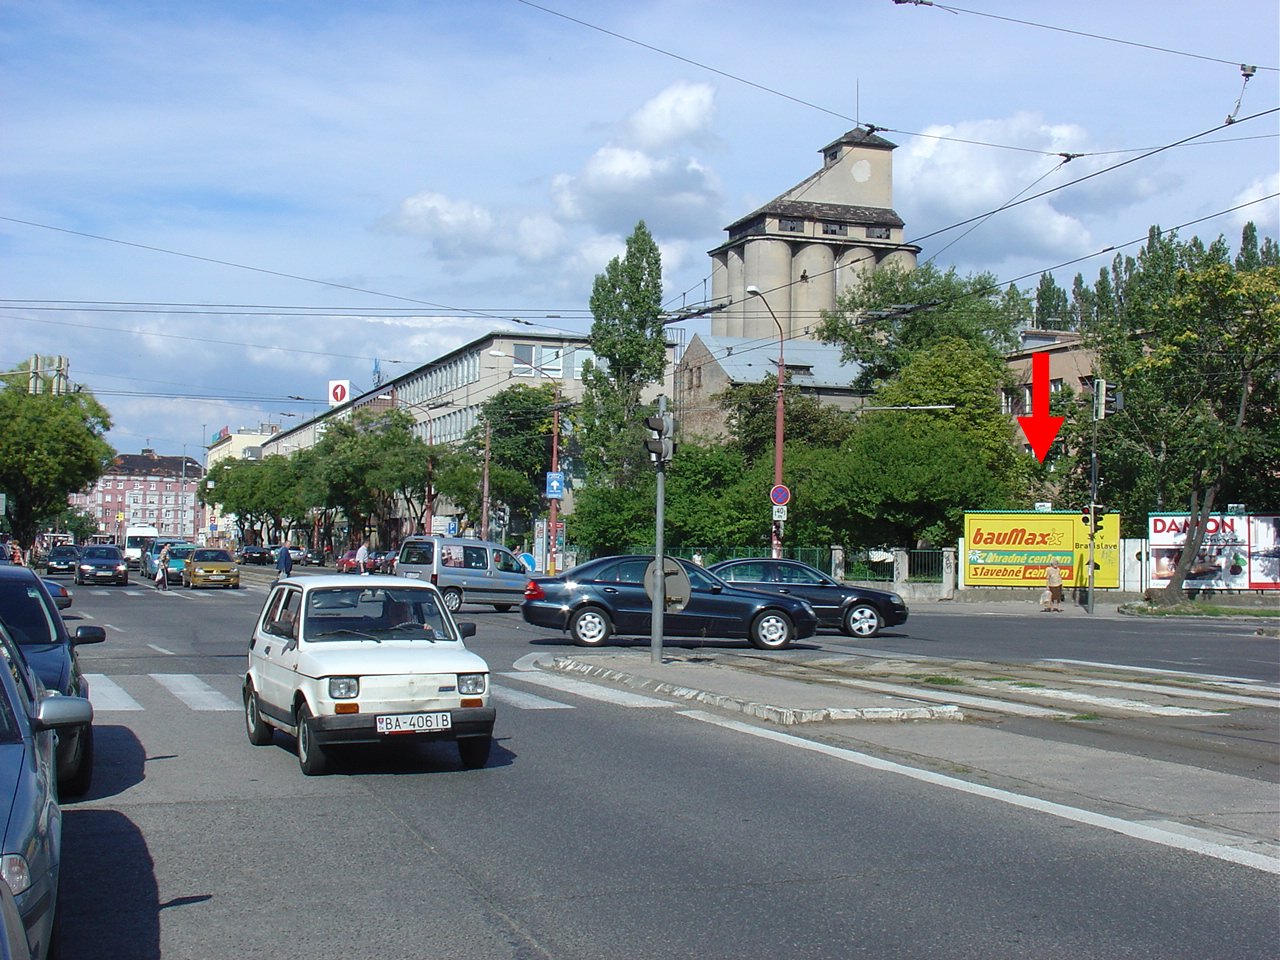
<point>602,827</point>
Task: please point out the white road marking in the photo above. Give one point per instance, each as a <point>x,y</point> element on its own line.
<point>1090,700</point>
<point>1208,677</point>
<point>1138,831</point>
<point>952,697</point>
<point>1256,701</point>
<point>168,653</point>
<point>105,694</point>
<point>591,691</point>
<point>194,692</point>
<point>526,701</point>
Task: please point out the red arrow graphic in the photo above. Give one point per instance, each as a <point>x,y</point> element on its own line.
<point>1040,428</point>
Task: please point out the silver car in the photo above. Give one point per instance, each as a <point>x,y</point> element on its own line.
<point>30,849</point>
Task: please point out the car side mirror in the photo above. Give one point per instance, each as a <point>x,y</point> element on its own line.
<point>467,629</point>
<point>53,713</point>
<point>89,634</point>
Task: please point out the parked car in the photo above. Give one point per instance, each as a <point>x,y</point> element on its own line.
<point>335,662</point>
<point>858,611</point>
<point>102,563</point>
<point>62,559</point>
<point>465,570</point>
<point>30,850</point>
<point>151,556</point>
<point>312,558</point>
<point>32,619</point>
<point>252,553</point>
<point>210,567</point>
<point>297,554</point>
<point>603,598</point>
<point>61,595</point>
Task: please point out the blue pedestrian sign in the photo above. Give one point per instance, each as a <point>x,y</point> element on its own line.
<point>555,485</point>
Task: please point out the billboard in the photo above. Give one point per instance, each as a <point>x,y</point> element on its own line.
<point>1014,549</point>
<point>1239,552</point>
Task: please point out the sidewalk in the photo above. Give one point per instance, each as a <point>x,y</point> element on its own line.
<point>1207,806</point>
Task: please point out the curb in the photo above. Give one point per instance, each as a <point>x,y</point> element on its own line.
<point>785,716</point>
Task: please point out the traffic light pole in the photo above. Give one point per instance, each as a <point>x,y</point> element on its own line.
<point>1093,509</point>
<point>659,550</point>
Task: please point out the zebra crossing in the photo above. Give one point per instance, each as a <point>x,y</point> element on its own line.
<point>129,693</point>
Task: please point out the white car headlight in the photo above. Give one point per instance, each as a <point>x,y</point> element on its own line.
<point>16,873</point>
<point>344,688</point>
<point>471,683</point>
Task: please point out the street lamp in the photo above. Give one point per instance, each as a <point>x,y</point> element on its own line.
<point>779,418</point>
<point>554,510</point>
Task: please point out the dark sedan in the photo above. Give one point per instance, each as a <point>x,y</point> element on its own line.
<point>857,611</point>
<point>255,554</point>
<point>607,597</point>
<point>32,619</point>
<point>62,559</point>
<point>102,564</point>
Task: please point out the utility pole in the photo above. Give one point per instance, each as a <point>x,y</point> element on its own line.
<point>659,545</point>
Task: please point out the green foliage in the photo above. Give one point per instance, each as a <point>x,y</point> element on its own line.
<point>894,313</point>
<point>628,338</point>
<point>1052,309</point>
<point>51,446</point>
<point>751,417</point>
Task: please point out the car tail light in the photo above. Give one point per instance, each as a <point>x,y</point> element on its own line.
<point>533,591</point>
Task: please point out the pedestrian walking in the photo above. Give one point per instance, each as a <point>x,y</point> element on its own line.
<point>284,562</point>
<point>162,569</point>
<point>362,557</point>
<point>1053,586</point>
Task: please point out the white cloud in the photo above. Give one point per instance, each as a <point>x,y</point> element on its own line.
<point>1265,215</point>
<point>681,112</point>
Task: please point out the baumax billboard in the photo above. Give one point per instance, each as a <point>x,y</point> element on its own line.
<point>1015,549</point>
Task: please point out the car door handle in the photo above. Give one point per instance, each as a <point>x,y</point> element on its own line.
<point>783,590</point>
<point>610,590</point>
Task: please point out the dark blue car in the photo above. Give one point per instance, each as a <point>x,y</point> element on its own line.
<point>32,618</point>
<point>607,597</point>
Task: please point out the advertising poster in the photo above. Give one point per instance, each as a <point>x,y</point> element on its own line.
<point>1238,553</point>
<point>1014,549</point>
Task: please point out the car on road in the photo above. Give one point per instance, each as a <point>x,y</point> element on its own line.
<point>33,621</point>
<point>347,563</point>
<point>179,553</point>
<point>465,569</point>
<point>61,595</point>
<point>857,611</point>
<point>210,567</point>
<point>151,556</point>
<point>297,554</point>
<point>102,563</point>
<point>336,662</point>
<point>31,843</point>
<point>252,553</point>
<point>603,598</point>
<point>62,559</point>
<point>312,558</point>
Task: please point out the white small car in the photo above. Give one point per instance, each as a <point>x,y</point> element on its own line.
<point>343,660</point>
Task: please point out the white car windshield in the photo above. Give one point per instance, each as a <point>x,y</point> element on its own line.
<point>381,613</point>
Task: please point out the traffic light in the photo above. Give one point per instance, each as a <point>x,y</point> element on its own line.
<point>1107,399</point>
<point>1091,517</point>
<point>661,446</point>
<point>1113,399</point>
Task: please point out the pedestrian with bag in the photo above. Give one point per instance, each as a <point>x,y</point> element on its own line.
<point>162,569</point>
<point>1053,588</point>
<point>284,562</point>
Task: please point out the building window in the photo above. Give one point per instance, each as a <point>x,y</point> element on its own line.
<point>878,233</point>
<point>790,225</point>
<point>833,155</point>
<point>835,230</point>
<point>534,360</point>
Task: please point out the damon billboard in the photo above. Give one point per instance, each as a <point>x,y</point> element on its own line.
<point>1015,549</point>
<point>1239,552</point>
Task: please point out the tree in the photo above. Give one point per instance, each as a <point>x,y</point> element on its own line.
<point>894,313</point>
<point>1192,344</point>
<point>52,445</point>
<point>628,340</point>
<point>750,419</point>
<point>1053,311</point>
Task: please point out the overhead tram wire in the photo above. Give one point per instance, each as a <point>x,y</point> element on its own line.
<point>1078,33</point>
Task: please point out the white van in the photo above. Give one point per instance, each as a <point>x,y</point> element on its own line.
<point>465,570</point>
<point>136,541</point>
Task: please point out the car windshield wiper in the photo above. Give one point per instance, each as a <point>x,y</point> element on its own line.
<point>345,631</point>
<point>427,633</point>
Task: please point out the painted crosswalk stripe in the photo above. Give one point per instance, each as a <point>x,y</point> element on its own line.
<point>194,692</point>
<point>105,694</point>
<point>580,688</point>
<point>526,701</point>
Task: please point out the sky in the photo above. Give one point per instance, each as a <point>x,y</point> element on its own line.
<point>213,209</point>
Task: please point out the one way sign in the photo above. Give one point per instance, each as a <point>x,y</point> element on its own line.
<point>555,485</point>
